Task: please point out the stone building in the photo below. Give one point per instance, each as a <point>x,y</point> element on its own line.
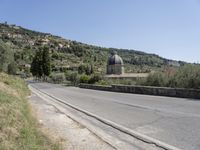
<point>115,64</point>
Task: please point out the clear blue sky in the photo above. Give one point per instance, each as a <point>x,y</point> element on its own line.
<point>169,28</point>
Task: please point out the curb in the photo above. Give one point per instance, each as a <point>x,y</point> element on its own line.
<point>121,128</point>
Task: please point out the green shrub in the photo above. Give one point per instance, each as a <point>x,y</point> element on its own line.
<point>187,76</point>
<point>6,56</point>
<point>102,82</point>
<point>81,69</point>
<point>74,78</point>
<point>67,75</point>
<point>94,79</point>
<point>12,68</point>
<point>57,77</point>
<point>84,79</point>
<point>156,79</point>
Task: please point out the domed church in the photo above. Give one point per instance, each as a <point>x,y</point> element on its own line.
<point>115,64</point>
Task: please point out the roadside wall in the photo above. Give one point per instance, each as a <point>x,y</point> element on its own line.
<point>147,90</point>
<point>96,87</point>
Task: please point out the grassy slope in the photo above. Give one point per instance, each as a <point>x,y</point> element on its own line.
<point>18,128</point>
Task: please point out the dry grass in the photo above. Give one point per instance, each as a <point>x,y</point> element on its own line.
<point>7,89</point>
<point>18,128</point>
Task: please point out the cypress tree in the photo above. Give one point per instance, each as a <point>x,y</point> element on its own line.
<point>36,65</point>
<point>41,64</point>
<point>46,62</point>
<point>91,69</point>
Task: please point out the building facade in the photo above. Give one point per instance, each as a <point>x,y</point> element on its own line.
<point>115,64</point>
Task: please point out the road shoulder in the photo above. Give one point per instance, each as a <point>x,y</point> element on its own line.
<point>70,133</point>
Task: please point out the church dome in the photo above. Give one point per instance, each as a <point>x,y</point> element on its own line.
<point>115,59</point>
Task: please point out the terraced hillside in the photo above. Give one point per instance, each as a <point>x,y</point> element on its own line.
<point>69,55</point>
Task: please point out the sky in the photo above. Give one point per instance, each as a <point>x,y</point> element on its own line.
<point>169,28</point>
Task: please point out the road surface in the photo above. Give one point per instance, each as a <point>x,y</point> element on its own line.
<point>175,121</point>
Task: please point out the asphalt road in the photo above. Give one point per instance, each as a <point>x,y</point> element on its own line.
<point>175,121</point>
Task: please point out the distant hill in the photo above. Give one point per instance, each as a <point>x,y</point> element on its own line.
<point>69,55</point>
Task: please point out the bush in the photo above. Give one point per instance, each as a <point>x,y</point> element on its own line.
<point>84,79</point>
<point>12,68</point>
<point>187,76</point>
<point>94,79</point>
<point>86,69</point>
<point>74,78</point>
<point>58,77</point>
<point>156,79</point>
<point>81,69</point>
<point>102,82</point>
<point>6,56</point>
<point>27,72</point>
<point>68,75</point>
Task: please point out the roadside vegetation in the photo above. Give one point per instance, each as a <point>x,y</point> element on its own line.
<point>18,128</point>
<point>187,76</point>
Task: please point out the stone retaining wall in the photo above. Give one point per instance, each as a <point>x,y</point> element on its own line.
<point>147,90</point>
<point>96,87</point>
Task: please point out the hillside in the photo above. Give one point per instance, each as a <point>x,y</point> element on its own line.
<point>69,55</point>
